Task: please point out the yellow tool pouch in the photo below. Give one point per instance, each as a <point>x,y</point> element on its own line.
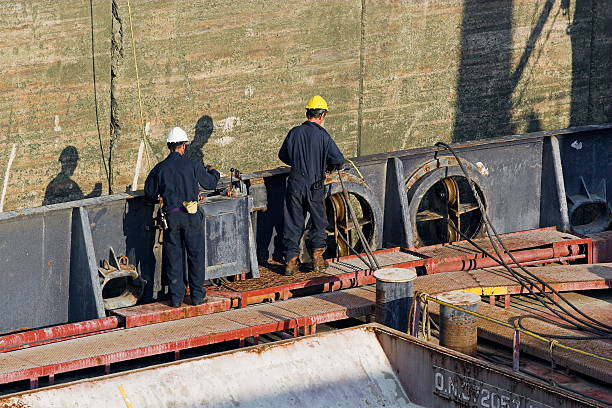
<point>191,206</point>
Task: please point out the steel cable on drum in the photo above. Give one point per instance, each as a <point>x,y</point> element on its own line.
<point>369,266</point>
<point>364,242</point>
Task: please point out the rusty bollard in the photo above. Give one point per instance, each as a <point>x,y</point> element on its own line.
<point>459,330</point>
<point>394,296</point>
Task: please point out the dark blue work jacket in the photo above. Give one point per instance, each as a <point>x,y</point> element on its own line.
<point>176,179</point>
<point>309,149</point>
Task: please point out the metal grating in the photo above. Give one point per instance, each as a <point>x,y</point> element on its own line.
<point>574,277</point>
<point>121,341</point>
<point>331,302</point>
<point>584,364</point>
<point>158,338</point>
<point>514,241</point>
<point>383,258</point>
<point>261,314</point>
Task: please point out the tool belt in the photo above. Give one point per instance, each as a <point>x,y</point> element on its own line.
<point>190,206</point>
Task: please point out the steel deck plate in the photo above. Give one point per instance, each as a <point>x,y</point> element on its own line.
<point>383,258</point>
<point>356,299</point>
<point>514,241</point>
<point>174,335</point>
<point>564,277</point>
<point>261,314</point>
<point>584,364</point>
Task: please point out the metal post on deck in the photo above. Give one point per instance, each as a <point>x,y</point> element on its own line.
<point>416,317</point>
<point>459,330</point>
<point>562,198</point>
<point>394,296</point>
<point>516,351</point>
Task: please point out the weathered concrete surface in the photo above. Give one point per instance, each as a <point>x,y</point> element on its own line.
<point>46,94</point>
<point>236,75</point>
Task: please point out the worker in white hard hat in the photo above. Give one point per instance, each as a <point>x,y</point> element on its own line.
<point>176,180</point>
<point>310,151</point>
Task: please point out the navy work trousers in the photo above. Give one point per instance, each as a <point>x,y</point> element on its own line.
<point>184,234</point>
<point>298,202</point>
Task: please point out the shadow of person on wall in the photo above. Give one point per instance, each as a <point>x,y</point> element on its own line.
<point>533,122</point>
<point>62,188</point>
<point>203,130</point>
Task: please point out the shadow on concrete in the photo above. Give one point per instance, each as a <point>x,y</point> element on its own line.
<point>62,188</point>
<point>270,222</point>
<point>533,122</point>
<point>203,130</point>
<point>486,81</point>
<point>483,87</point>
<point>590,32</point>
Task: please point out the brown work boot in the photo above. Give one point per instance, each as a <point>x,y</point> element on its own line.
<point>318,263</point>
<point>292,266</point>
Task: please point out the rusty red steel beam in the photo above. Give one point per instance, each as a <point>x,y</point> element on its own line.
<point>56,333</point>
<point>470,263</point>
<point>106,359</point>
<point>546,261</point>
<point>151,316</point>
<point>329,283</point>
<point>76,336</point>
<point>564,287</point>
<point>574,250</point>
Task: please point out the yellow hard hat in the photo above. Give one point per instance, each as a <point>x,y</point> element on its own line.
<point>316,102</point>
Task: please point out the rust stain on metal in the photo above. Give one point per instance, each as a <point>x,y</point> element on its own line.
<point>256,180</point>
<point>15,403</point>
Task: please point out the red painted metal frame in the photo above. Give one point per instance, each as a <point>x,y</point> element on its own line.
<point>560,251</point>
<point>575,249</point>
<point>329,283</point>
<point>56,333</point>
<point>140,316</point>
<point>308,323</point>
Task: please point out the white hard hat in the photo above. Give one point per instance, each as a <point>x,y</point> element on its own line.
<point>175,135</point>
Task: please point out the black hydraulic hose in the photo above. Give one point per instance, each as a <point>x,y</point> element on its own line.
<point>606,328</point>
<point>356,253</point>
<point>528,287</point>
<point>366,245</point>
<point>519,279</point>
<point>489,224</point>
<point>583,325</point>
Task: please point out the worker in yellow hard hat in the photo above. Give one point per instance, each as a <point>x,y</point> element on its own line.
<point>310,151</point>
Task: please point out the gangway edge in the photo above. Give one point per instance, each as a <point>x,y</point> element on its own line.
<point>383,367</point>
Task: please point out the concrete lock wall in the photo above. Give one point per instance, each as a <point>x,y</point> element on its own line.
<point>235,75</point>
